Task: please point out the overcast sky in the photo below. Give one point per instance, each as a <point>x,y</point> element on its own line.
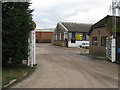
<point>48,13</point>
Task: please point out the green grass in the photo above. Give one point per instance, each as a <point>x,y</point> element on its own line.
<point>17,72</point>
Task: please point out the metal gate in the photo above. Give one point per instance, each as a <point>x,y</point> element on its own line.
<point>108,49</point>
<point>32,49</point>
<point>111,49</point>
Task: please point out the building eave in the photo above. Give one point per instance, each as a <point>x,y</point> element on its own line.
<point>63,26</point>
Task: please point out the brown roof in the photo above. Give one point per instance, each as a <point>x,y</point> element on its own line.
<point>107,22</point>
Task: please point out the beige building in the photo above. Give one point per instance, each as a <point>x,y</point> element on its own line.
<point>70,34</point>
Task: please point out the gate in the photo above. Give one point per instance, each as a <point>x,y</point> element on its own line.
<point>108,49</point>
<point>111,49</point>
<point>32,49</point>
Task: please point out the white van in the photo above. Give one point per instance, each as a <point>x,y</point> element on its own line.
<point>85,45</point>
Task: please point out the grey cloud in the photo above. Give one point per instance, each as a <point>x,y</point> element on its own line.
<point>49,16</point>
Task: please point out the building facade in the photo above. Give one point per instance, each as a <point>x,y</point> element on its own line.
<point>69,34</point>
<point>97,40</point>
<point>103,33</point>
<point>44,35</point>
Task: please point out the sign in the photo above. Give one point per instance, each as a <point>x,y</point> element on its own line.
<point>34,25</point>
<point>78,36</point>
<point>118,50</point>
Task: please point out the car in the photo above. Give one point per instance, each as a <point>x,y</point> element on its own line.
<point>84,45</point>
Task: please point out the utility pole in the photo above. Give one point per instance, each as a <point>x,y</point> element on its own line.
<point>116,13</point>
<point>114,39</point>
<point>116,7</point>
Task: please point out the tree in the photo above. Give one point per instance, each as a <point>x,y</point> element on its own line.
<point>16,26</point>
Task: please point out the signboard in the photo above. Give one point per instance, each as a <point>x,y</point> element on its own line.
<point>34,25</point>
<point>78,36</point>
<point>118,50</point>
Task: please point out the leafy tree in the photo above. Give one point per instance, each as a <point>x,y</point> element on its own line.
<point>16,26</point>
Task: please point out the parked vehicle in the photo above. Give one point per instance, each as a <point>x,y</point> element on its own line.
<point>84,45</point>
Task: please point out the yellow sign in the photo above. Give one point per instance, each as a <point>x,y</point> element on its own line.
<point>78,36</point>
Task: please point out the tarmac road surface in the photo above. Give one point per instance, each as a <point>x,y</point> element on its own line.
<point>59,67</point>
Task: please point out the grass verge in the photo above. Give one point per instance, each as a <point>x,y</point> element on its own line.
<point>95,56</point>
<point>17,73</point>
<point>99,57</point>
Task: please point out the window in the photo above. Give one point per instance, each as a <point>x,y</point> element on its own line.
<point>73,35</point>
<point>84,36</point>
<point>94,40</point>
<point>62,36</point>
<point>103,41</point>
<point>73,40</point>
<point>83,43</point>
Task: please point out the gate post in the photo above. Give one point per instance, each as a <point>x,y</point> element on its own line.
<point>32,48</point>
<point>113,48</point>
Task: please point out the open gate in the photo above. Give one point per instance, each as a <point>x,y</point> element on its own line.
<point>111,49</point>
<point>32,49</point>
<point>108,49</point>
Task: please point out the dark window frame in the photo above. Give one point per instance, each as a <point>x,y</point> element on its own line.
<point>84,37</point>
<point>73,35</point>
<point>103,37</point>
<point>62,36</point>
<point>93,38</point>
<point>73,39</point>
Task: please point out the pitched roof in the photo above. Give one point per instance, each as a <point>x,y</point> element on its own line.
<point>76,27</point>
<point>107,22</point>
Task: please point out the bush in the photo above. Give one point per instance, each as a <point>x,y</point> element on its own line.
<point>17,24</point>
